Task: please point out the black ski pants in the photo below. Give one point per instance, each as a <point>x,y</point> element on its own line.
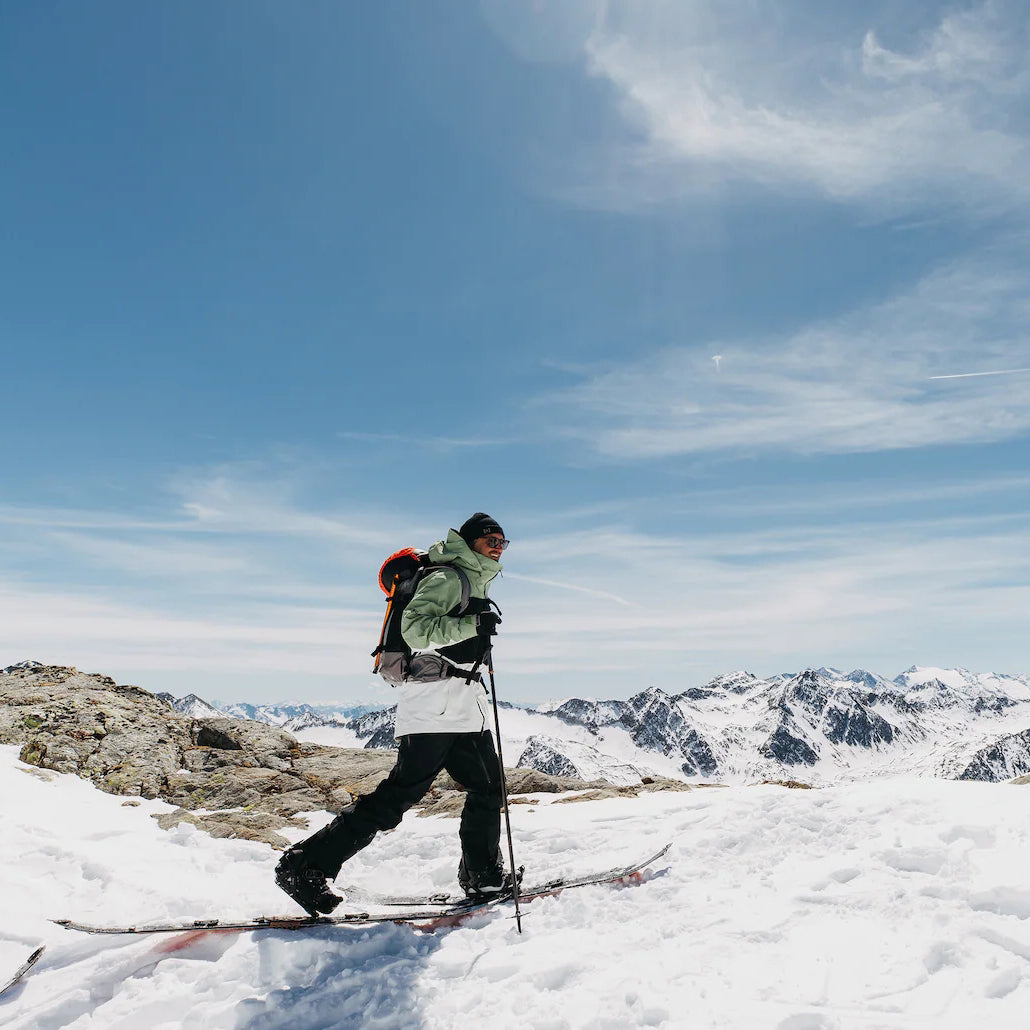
<point>471,760</point>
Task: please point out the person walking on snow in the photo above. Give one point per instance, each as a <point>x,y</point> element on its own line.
<point>441,725</point>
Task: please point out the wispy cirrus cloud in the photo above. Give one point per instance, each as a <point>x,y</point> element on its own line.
<point>153,641</point>
<point>874,106</point>
<point>230,576</point>
<point>859,383</point>
<point>848,593</point>
<point>439,444</point>
<point>595,600</point>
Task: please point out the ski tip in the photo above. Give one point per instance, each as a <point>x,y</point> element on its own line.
<point>661,854</point>
<point>23,969</point>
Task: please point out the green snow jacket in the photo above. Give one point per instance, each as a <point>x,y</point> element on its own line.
<point>445,705</point>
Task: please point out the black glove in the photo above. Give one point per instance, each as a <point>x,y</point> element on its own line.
<point>486,625</point>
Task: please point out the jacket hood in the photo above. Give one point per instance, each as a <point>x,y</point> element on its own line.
<point>455,551</point>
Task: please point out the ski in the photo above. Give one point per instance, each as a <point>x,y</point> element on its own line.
<point>265,922</point>
<point>23,969</point>
<point>364,897</point>
<point>437,914</point>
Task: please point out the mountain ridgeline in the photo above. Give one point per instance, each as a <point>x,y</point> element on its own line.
<point>819,725</point>
<point>824,724</point>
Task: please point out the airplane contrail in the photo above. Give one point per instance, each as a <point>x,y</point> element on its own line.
<point>969,375</point>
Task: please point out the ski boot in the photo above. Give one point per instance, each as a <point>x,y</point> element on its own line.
<point>305,884</point>
<point>488,883</point>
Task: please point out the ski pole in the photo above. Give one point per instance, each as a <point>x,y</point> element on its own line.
<point>504,789</point>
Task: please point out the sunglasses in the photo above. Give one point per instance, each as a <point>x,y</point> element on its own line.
<point>496,541</point>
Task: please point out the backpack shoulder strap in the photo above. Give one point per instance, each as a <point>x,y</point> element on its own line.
<point>463,580</point>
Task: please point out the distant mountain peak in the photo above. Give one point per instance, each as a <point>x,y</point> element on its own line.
<point>579,761</point>
<point>194,706</point>
<point>23,666</point>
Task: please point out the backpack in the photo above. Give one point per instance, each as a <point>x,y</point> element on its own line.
<point>399,578</point>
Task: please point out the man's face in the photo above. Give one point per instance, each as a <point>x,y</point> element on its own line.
<point>490,545</point>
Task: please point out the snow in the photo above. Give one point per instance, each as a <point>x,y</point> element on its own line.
<point>917,675</point>
<point>937,731</point>
<point>197,707</point>
<point>583,761</point>
<point>892,903</point>
<point>966,683</point>
<point>856,725</point>
<point>333,736</point>
<point>610,754</point>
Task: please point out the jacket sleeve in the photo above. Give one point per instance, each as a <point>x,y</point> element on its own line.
<point>425,623</point>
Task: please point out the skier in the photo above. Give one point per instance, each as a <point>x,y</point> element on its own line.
<point>441,724</point>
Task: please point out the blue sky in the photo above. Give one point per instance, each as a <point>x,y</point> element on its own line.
<point>286,287</point>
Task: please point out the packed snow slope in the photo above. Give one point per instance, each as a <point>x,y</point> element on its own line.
<point>895,903</point>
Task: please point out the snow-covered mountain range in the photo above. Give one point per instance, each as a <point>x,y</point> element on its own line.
<point>291,716</point>
<point>822,725</point>
<point>819,725</point>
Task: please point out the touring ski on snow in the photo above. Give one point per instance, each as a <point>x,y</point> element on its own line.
<point>23,969</point>
<point>364,897</point>
<point>425,914</point>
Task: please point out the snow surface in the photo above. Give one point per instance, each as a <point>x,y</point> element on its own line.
<point>332,736</point>
<point>890,904</point>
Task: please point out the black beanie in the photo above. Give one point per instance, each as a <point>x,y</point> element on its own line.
<point>478,525</point>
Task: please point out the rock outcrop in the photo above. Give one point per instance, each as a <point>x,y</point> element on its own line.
<point>231,777</point>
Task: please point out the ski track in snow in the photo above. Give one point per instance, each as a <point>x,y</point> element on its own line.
<point>892,904</point>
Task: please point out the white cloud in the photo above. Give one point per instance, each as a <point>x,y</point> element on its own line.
<point>977,46</point>
<point>260,500</point>
<point>157,555</point>
<point>230,576</point>
<point>103,634</point>
<point>235,576</point>
<point>593,607</point>
<point>439,444</point>
<point>858,383</point>
<point>877,594</point>
<point>784,94</point>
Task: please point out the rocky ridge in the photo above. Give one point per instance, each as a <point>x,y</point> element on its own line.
<point>231,777</point>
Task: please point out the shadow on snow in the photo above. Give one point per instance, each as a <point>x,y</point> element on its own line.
<point>338,979</point>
